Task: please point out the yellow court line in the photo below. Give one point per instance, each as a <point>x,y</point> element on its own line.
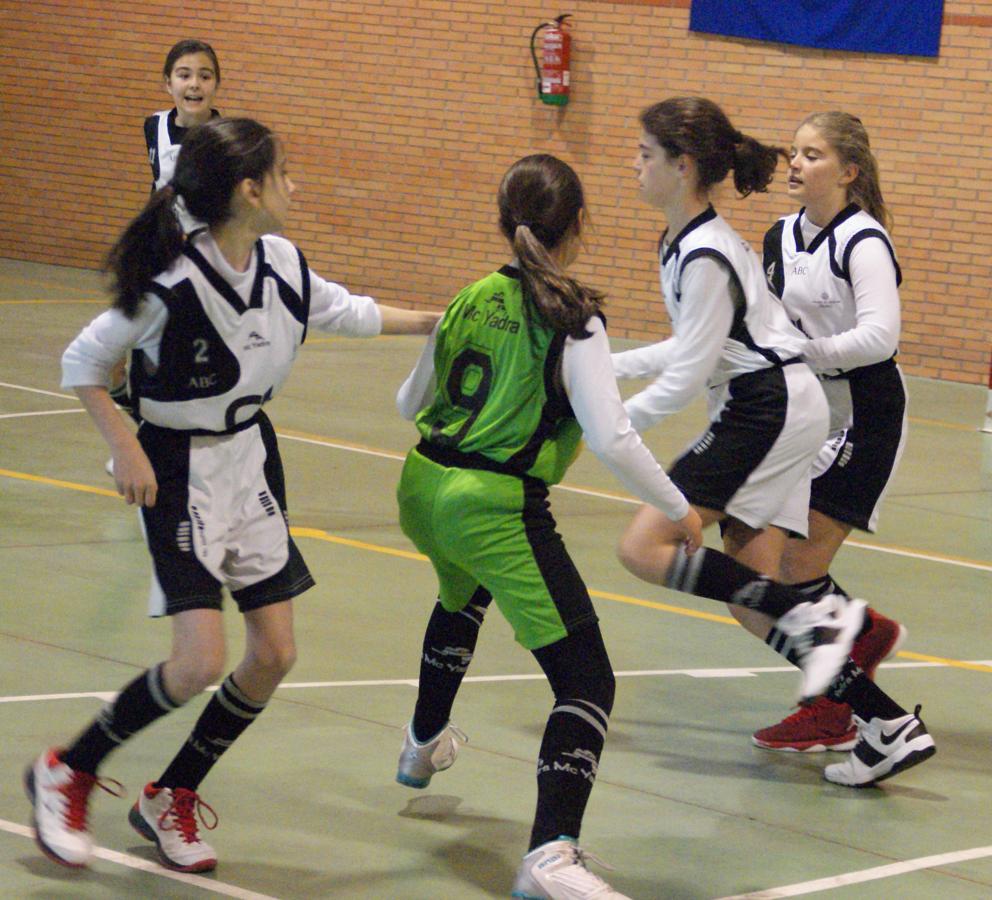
<point>666,607</point>
<point>321,535</point>
<point>937,423</point>
<point>364,448</point>
<point>953,663</point>
<point>55,482</point>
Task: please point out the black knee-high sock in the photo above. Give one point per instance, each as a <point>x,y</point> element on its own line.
<point>710,573</point>
<point>449,644</point>
<point>865,697</point>
<point>811,590</point>
<point>581,677</point>
<point>138,705</point>
<point>228,713</point>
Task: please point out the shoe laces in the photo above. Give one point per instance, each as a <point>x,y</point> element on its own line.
<point>184,809</point>
<point>77,793</point>
<point>588,880</point>
<point>806,711</point>
<point>582,855</point>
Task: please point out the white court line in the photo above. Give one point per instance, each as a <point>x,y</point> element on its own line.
<point>21,387</point>
<point>145,865</point>
<point>50,412</point>
<point>385,454</point>
<point>916,554</point>
<point>106,696</point>
<point>743,672</point>
<point>835,881</point>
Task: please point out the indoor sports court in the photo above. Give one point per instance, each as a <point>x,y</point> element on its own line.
<point>398,119</point>
<point>684,805</point>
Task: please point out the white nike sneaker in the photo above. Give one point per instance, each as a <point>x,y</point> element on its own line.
<point>885,747</point>
<point>418,762</point>
<point>557,871</point>
<point>823,634</point>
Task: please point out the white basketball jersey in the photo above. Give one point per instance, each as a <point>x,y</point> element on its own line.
<point>222,357</point>
<point>814,279</point>
<point>761,335</point>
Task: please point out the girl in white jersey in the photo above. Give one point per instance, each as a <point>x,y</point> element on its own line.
<point>191,76</point>
<point>214,324</point>
<point>749,471</point>
<point>833,265</point>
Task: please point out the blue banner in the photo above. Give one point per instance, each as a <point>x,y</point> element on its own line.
<point>906,27</point>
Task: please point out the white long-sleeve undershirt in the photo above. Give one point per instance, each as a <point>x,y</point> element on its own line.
<point>682,364</point>
<point>588,380</point>
<point>875,337</point>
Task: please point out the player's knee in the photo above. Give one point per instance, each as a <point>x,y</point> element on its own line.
<point>633,551</point>
<point>275,658</point>
<point>189,674</point>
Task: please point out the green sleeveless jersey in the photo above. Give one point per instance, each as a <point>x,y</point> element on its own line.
<point>499,401</point>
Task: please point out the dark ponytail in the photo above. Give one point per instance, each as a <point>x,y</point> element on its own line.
<point>698,128</point>
<point>754,165</point>
<point>148,246</point>
<point>540,206</point>
<point>214,159</point>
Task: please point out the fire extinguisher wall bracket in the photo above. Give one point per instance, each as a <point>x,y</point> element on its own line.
<point>553,75</point>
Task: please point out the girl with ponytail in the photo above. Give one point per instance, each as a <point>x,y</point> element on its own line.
<point>834,267</point>
<point>213,324</point>
<point>730,338</point>
<point>191,77</point>
<point>769,418</point>
<point>519,373</point>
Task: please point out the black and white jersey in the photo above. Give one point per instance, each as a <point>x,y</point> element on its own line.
<point>211,345</point>
<point>761,335</point>
<point>163,145</point>
<point>839,286</point>
<point>163,138</point>
<point>725,321</point>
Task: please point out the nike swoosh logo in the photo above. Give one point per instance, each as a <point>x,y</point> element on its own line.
<point>887,739</point>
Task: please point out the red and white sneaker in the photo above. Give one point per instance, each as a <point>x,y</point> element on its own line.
<point>817,726</point>
<point>60,799</point>
<point>825,724</point>
<point>880,642</point>
<point>168,817</point>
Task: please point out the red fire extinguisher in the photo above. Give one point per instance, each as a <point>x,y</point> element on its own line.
<point>553,68</point>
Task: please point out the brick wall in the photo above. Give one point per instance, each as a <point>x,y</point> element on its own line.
<point>400,117</point>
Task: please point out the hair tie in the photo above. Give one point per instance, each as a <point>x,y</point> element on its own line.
<point>525,223</point>
<point>738,137</point>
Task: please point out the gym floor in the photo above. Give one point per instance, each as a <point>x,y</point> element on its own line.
<point>684,805</point>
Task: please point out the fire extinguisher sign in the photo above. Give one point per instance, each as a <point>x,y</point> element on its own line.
<point>552,68</point>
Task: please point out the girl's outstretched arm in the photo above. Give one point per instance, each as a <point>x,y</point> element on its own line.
<point>407,321</point>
